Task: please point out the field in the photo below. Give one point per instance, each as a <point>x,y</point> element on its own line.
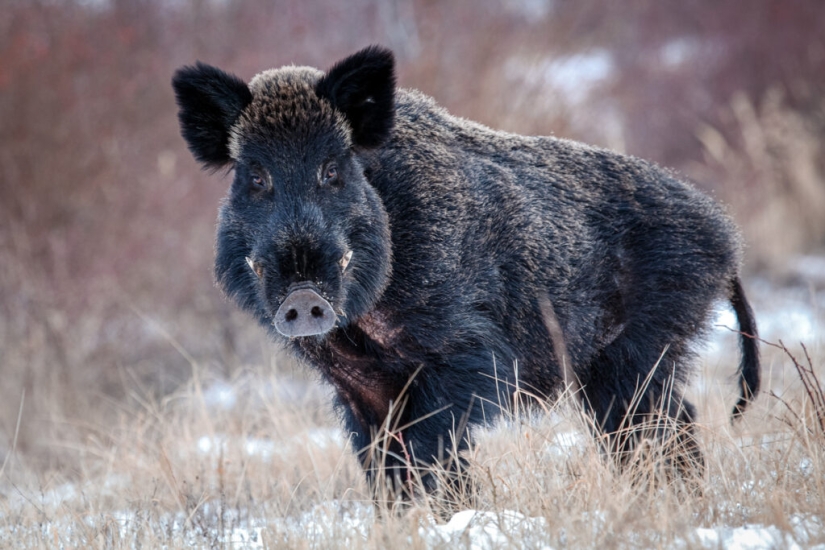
<point>257,461</point>
<point>139,409</point>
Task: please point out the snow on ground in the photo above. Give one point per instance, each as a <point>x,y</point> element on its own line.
<point>347,523</point>
<point>488,530</point>
<point>757,537</point>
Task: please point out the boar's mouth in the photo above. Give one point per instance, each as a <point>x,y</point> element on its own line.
<point>304,313</point>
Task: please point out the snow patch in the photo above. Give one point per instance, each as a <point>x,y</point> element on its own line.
<point>488,530</point>
<point>564,443</point>
<point>749,537</point>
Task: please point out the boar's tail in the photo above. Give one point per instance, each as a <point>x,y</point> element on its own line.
<point>748,343</point>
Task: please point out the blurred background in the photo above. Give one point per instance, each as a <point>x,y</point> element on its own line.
<point>107,223</point>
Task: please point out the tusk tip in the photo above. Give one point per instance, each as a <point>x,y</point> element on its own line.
<point>345,259</point>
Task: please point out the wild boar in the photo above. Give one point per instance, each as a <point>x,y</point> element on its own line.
<point>428,266</point>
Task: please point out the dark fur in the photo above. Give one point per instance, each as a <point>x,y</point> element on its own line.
<point>471,247</point>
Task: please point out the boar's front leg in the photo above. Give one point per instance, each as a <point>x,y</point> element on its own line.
<point>409,436</point>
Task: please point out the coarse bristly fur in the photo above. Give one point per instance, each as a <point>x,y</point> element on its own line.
<point>481,261</point>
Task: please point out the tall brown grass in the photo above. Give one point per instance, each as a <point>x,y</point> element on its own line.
<point>184,470</point>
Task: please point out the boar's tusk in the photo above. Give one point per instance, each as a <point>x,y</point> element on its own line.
<point>344,261</point>
<point>256,269</point>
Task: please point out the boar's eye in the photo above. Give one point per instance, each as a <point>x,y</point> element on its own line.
<point>330,175</point>
<point>258,182</point>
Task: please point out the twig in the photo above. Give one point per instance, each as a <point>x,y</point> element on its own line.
<point>813,388</point>
<point>16,433</point>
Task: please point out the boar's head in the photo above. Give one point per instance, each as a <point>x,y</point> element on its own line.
<point>303,239</point>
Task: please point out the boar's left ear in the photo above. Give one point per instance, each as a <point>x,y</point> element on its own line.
<point>362,86</point>
<point>210,103</point>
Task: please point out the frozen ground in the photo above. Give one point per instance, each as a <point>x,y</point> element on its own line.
<point>347,524</point>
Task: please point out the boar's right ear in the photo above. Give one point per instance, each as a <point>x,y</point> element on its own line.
<point>362,86</point>
<point>210,103</point>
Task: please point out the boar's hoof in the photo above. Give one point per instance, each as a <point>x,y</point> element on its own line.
<point>304,313</point>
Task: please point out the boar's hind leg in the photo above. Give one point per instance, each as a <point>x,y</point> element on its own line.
<point>640,414</point>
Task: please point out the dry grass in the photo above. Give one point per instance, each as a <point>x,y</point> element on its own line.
<point>260,455</point>
<point>767,160</point>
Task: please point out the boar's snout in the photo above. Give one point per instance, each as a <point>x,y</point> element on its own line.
<point>304,313</point>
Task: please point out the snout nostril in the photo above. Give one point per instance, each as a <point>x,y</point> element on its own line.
<point>304,312</point>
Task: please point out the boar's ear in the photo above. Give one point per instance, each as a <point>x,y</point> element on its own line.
<point>210,102</point>
<point>362,86</point>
